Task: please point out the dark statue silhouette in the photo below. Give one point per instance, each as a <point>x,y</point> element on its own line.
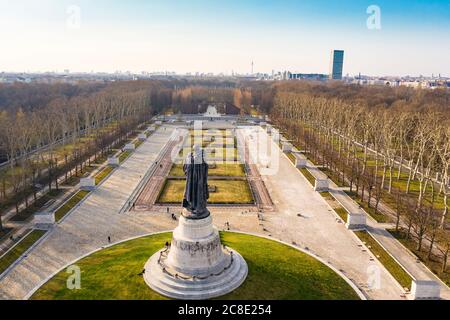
<point>196,194</point>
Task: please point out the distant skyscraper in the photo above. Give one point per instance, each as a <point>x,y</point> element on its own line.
<point>337,64</point>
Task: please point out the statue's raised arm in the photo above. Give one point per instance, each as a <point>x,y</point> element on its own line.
<point>196,194</point>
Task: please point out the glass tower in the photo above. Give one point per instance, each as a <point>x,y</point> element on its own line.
<point>337,64</point>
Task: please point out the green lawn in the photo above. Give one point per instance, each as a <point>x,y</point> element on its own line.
<point>124,155</point>
<point>103,174</point>
<point>228,192</point>
<point>388,262</point>
<point>222,170</point>
<point>72,202</point>
<point>308,176</point>
<point>276,272</point>
<point>11,256</point>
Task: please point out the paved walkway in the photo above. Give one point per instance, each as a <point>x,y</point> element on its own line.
<point>88,227</point>
<point>317,228</point>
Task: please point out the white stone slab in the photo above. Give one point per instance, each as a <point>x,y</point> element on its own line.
<point>113,161</point>
<point>87,183</point>
<point>44,220</point>
<point>130,147</point>
<point>322,185</point>
<point>356,221</point>
<point>300,162</point>
<point>286,147</point>
<point>422,289</point>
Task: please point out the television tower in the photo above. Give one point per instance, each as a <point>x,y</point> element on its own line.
<point>253,65</point>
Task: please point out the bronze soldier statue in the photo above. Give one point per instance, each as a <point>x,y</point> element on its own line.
<point>196,194</point>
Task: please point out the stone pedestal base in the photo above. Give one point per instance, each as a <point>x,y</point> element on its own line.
<point>196,265</point>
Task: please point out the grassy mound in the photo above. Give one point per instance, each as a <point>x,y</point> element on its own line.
<point>276,271</point>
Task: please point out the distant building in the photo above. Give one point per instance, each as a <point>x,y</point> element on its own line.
<point>307,76</point>
<point>337,64</point>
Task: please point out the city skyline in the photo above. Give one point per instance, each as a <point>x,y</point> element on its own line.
<point>202,36</point>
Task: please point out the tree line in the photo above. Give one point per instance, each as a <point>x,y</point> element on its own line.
<point>62,136</point>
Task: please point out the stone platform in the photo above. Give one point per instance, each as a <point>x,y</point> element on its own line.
<point>195,266</point>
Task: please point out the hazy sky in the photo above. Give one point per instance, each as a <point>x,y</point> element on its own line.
<point>221,36</point>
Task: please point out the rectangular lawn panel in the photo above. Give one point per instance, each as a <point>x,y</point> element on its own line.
<point>228,192</point>
<point>99,177</point>
<point>71,203</point>
<point>19,249</point>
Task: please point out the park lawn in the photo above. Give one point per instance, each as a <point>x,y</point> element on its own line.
<point>222,170</point>
<point>308,176</point>
<point>228,192</point>
<point>291,157</point>
<point>124,155</point>
<point>276,272</point>
<point>434,264</point>
<point>71,203</point>
<point>99,177</point>
<point>19,249</point>
<point>386,260</point>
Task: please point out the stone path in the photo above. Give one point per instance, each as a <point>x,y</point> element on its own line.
<point>317,228</point>
<point>149,194</point>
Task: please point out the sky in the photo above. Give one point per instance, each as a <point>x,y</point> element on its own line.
<point>411,38</point>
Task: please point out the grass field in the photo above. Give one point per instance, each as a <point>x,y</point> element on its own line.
<point>72,202</point>
<point>228,192</point>
<point>103,174</point>
<point>12,255</point>
<point>221,170</point>
<point>388,262</point>
<point>124,155</point>
<point>276,272</point>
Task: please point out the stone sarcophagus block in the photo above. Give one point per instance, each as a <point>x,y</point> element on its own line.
<point>300,162</point>
<point>113,161</point>
<point>87,183</point>
<point>424,290</point>
<point>356,221</point>
<point>44,220</point>
<point>286,147</point>
<point>322,184</point>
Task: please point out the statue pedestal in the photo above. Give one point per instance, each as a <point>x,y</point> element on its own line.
<point>196,266</point>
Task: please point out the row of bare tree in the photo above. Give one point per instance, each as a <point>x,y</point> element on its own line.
<point>392,156</point>
<point>62,137</point>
